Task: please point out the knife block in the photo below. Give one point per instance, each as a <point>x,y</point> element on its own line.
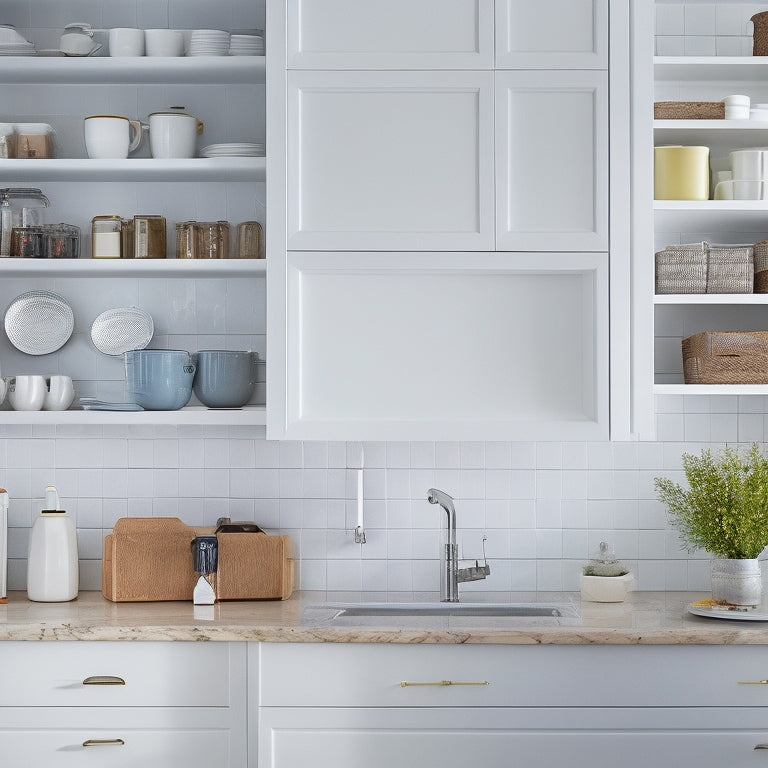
<point>150,559</point>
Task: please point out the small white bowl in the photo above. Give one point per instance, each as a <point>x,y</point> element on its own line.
<point>742,190</point>
<point>606,589</point>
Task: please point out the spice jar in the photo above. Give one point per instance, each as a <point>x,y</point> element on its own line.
<point>149,237</point>
<point>19,207</point>
<point>186,240</point>
<point>62,241</point>
<point>106,237</point>
<point>250,240</point>
<point>212,239</point>
<point>126,230</point>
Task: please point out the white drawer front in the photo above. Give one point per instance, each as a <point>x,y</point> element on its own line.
<point>117,748</point>
<point>565,676</point>
<point>154,674</point>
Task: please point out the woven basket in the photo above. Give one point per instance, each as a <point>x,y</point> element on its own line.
<point>761,266</point>
<point>681,269</point>
<point>689,110</point>
<point>760,34</point>
<point>730,269</point>
<point>734,357</point>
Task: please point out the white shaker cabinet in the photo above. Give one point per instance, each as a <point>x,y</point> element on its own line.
<point>390,160</point>
<point>552,34</point>
<point>552,161</point>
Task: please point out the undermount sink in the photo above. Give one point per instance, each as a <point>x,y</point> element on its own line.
<point>441,614</point>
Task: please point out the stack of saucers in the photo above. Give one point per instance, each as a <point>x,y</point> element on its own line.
<point>234,149</point>
<point>208,42</point>
<point>246,45</point>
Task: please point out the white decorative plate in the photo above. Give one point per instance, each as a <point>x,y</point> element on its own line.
<point>39,322</point>
<point>121,330</point>
<point>720,612</point>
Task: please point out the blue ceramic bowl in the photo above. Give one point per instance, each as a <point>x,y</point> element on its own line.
<point>224,379</point>
<point>159,379</point>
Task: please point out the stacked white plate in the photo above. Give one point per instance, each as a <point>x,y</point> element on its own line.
<point>208,42</point>
<point>246,45</point>
<point>14,44</point>
<point>26,49</point>
<point>234,149</point>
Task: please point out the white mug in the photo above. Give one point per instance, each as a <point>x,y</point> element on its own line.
<point>59,393</point>
<point>173,134</point>
<point>26,393</point>
<point>125,41</point>
<point>164,42</point>
<point>108,137</point>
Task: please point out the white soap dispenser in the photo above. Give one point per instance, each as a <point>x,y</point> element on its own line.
<point>52,562</point>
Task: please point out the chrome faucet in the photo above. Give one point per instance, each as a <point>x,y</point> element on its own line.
<point>450,573</point>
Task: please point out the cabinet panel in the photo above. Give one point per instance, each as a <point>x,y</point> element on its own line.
<point>552,34</point>
<point>446,344</point>
<point>390,160</point>
<point>401,34</point>
<point>500,738</point>
<point>552,161</point>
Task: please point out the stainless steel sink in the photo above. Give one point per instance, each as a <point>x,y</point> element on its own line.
<point>441,615</point>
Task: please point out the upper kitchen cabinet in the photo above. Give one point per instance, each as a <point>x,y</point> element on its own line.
<point>393,160</point>
<point>399,34</point>
<point>552,161</point>
<point>552,34</point>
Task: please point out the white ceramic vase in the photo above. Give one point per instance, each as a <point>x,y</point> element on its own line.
<point>737,581</point>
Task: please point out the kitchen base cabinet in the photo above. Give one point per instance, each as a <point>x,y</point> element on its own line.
<point>506,738</point>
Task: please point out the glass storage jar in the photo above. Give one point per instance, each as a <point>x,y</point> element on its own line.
<point>106,237</point>
<point>19,207</point>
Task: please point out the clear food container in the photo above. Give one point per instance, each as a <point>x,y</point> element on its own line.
<point>19,207</point>
<point>106,237</point>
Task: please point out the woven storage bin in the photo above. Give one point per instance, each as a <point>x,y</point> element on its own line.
<point>761,266</point>
<point>733,357</point>
<point>689,110</point>
<point>730,269</point>
<point>681,269</point>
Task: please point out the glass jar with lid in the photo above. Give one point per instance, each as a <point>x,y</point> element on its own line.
<point>106,237</point>
<point>19,207</point>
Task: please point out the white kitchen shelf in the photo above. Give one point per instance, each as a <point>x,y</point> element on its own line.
<point>193,415</point>
<point>133,267</point>
<point>711,68</point>
<point>737,133</point>
<point>137,169</point>
<point>735,299</point>
<point>203,70</point>
<point>691,215</point>
<point>710,389</point>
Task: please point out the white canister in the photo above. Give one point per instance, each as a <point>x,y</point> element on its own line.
<point>52,560</point>
<point>174,134</point>
<point>736,107</point>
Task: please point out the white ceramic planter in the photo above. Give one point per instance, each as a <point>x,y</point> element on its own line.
<point>737,581</point>
<point>606,589</point>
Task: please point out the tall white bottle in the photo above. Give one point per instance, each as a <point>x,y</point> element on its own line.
<point>52,562</point>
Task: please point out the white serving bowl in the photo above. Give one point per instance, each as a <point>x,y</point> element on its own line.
<point>742,190</point>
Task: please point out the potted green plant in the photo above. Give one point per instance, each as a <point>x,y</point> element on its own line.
<point>724,511</point>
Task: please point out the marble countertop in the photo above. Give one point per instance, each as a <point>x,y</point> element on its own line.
<point>646,618</point>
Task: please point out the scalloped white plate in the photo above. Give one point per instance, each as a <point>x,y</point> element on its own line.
<point>749,614</point>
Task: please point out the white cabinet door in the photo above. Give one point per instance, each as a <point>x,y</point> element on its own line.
<point>442,346</point>
<point>398,34</point>
<point>552,161</point>
<point>552,34</point>
<point>388,160</point>
<point>505,738</point>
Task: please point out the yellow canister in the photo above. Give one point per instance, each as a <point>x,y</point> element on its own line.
<point>681,173</point>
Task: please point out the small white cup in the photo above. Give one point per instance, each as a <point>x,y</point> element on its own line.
<point>59,393</point>
<point>126,41</point>
<point>26,393</point>
<point>108,137</point>
<point>736,107</point>
<point>164,42</point>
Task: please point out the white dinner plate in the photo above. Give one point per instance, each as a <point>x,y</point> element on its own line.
<point>734,614</point>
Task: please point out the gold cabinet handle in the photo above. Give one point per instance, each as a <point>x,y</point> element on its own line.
<point>761,746</point>
<point>104,680</point>
<point>407,684</point>
<point>753,682</point>
<point>103,743</point>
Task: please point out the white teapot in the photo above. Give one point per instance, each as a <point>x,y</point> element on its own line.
<point>77,40</point>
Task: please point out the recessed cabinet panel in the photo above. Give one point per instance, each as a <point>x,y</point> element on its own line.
<point>390,160</point>
<point>552,161</point>
<point>552,34</point>
<point>339,34</point>
<point>443,345</point>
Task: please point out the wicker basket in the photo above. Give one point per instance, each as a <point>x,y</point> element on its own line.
<point>761,266</point>
<point>760,34</point>
<point>689,110</point>
<point>734,357</point>
<point>681,269</point>
<point>730,269</point>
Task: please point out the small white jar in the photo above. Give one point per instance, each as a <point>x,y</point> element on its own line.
<point>736,107</point>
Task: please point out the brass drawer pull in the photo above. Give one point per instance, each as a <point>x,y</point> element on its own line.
<point>761,746</point>
<point>104,680</point>
<point>406,684</point>
<point>753,682</point>
<point>103,743</point>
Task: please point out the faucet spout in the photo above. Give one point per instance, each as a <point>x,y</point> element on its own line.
<point>449,571</point>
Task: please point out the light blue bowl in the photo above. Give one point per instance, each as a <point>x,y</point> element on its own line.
<point>224,378</point>
<point>159,379</point>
